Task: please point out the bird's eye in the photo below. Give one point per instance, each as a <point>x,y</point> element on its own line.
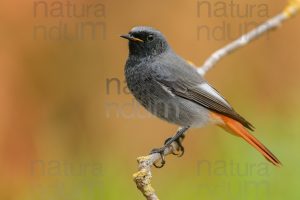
<point>150,38</point>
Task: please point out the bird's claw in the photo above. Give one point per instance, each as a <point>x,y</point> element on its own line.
<point>178,152</point>
<point>180,149</point>
<point>162,156</point>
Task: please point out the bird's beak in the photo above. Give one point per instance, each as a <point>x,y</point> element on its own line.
<point>131,38</point>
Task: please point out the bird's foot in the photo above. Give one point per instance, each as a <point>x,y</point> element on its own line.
<point>162,156</point>
<point>178,152</point>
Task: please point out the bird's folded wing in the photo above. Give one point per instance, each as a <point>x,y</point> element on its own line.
<point>205,95</point>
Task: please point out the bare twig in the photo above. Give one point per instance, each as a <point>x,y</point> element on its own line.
<point>142,178</point>
<point>272,23</point>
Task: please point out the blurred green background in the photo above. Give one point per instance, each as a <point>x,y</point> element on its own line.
<point>69,130</point>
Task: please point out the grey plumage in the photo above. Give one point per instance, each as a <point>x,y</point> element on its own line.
<point>168,86</point>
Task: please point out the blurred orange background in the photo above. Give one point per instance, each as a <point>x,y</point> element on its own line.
<point>60,100</point>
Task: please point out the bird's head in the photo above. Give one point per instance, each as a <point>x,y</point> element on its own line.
<point>146,41</point>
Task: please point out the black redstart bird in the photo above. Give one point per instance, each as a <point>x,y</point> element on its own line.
<point>172,89</point>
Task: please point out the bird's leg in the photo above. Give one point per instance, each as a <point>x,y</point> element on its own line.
<point>178,137</point>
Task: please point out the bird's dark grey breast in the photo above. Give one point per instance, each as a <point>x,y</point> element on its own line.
<point>143,80</point>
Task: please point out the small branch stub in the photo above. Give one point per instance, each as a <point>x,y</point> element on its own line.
<point>143,178</point>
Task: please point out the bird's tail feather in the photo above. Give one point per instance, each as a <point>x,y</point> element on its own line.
<point>239,130</point>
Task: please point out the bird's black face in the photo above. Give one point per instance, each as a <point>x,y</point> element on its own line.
<point>146,41</point>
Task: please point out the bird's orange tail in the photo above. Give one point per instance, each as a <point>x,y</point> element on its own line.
<point>238,129</point>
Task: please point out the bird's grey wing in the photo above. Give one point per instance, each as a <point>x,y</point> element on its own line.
<point>196,89</point>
